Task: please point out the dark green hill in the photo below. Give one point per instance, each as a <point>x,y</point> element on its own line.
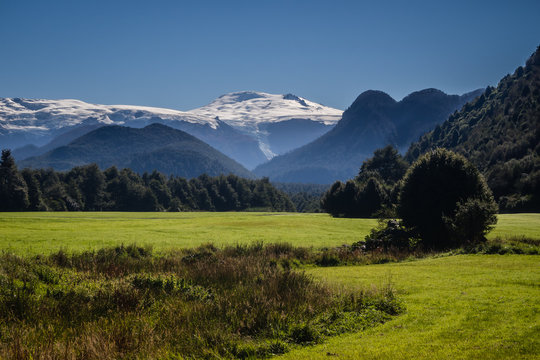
<point>500,133</point>
<point>372,121</point>
<point>154,147</point>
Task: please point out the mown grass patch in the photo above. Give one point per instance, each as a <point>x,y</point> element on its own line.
<point>458,307</point>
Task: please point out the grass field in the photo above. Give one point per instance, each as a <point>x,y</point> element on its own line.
<point>458,307</point>
<point>45,232</point>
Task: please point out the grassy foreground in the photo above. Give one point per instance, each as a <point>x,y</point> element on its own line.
<point>46,232</point>
<point>238,302</point>
<point>458,307</point>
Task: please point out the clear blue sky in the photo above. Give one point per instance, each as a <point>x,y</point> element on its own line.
<point>183,54</point>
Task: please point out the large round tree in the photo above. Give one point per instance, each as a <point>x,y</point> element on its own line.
<point>446,201</point>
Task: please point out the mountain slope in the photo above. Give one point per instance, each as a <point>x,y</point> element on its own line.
<point>280,123</point>
<point>37,122</point>
<point>372,121</point>
<point>155,147</point>
<point>60,140</point>
<point>500,133</point>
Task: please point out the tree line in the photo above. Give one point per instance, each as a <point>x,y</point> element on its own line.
<point>87,188</point>
<point>372,192</point>
<point>305,197</point>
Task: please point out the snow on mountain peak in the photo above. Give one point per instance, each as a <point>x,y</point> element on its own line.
<point>251,112</point>
<point>248,108</point>
<point>17,113</point>
<point>240,96</point>
<point>277,122</point>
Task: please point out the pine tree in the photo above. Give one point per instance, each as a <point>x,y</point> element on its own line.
<point>13,189</point>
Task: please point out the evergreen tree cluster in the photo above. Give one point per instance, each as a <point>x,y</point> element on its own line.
<point>499,133</point>
<point>305,197</point>
<point>373,191</point>
<point>87,188</point>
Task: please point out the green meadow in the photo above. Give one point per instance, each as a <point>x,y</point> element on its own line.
<point>46,232</point>
<point>456,306</point>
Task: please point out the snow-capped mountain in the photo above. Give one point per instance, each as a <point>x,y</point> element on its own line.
<point>36,114</point>
<point>280,123</point>
<point>250,127</point>
<point>37,122</point>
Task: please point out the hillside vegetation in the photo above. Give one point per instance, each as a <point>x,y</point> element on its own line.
<point>500,133</point>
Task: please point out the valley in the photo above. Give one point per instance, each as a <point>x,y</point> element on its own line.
<point>230,214</point>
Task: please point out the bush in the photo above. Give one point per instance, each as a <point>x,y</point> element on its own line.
<point>473,220</point>
<point>445,201</point>
<point>392,235</point>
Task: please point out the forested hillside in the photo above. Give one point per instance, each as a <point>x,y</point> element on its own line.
<point>87,188</point>
<point>500,133</point>
<point>154,147</point>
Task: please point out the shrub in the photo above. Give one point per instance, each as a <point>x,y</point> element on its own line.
<point>473,219</point>
<point>445,201</point>
<point>392,234</point>
<point>304,334</point>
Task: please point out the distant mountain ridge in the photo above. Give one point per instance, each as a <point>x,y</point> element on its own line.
<point>250,127</point>
<point>373,120</point>
<point>61,140</point>
<point>38,122</point>
<point>154,147</point>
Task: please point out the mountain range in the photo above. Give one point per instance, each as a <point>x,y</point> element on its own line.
<point>250,127</point>
<point>374,120</point>
<point>154,147</point>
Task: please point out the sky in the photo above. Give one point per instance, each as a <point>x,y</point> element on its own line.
<point>183,54</point>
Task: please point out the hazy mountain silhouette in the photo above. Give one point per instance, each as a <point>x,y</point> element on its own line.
<point>373,120</point>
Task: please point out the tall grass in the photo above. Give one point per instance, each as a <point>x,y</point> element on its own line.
<point>124,302</point>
